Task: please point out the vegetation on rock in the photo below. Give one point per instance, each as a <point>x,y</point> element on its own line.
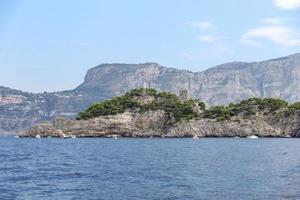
<point>248,107</point>
<point>292,108</point>
<point>142,100</point>
<point>135,100</point>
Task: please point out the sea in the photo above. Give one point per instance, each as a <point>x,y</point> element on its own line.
<point>157,168</point>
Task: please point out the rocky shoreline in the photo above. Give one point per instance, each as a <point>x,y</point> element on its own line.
<point>152,124</point>
<point>220,85</point>
<point>148,113</point>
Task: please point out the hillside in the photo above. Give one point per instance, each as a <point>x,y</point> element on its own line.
<point>148,113</point>
<point>231,82</point>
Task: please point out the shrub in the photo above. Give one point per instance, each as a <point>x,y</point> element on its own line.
<point>246,107</point>
<point>108,107</point>
<point>274,104</point>
<point>292,108</point>
<point>166,101</point>
<point>219,112</point>
<point>141,92</point>
<point>178,110</point>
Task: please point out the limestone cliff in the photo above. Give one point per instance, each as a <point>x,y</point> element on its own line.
<point>148,113</point>
<point>126,124</point>
<point>152,124</point>
<point>222,84</point>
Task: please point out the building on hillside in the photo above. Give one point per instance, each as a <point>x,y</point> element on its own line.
<point>184,95</point>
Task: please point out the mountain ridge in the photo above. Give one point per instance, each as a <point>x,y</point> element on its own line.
<point>222,84</point>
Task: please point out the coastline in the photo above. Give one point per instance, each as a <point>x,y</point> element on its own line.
<point>147,113</point>
<point>151,125</point>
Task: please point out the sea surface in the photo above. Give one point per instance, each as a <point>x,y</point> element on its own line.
<point>95,168</point>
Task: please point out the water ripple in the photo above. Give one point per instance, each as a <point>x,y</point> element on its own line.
<point>149,169</point>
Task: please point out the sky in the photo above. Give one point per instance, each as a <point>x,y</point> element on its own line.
<point>49,45</point>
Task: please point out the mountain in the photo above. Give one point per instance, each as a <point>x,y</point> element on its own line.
<point>148,113</point>
<point>230,82</point>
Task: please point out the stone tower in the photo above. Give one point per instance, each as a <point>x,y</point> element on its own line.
<point>184,95</point>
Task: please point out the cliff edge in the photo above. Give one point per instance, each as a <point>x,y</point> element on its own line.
<point>148,113</point>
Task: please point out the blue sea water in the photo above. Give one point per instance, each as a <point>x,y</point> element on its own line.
<point>95,168</point>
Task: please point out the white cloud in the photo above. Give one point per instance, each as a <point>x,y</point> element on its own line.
<point>273,20</point>
<point>207,34</point>
<point>279,34</point>
<point>206,38</point>
<point>202,25</point>
<point>209,38</point>
<point>287,4</point>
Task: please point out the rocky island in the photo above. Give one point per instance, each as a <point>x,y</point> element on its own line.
<point>220,85</point>
<point>146,112</point>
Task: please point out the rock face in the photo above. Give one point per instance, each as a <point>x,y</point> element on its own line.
<point>222,84</point>
<point>20,110</point>
<point>211,128</point>
<point>153,124</point>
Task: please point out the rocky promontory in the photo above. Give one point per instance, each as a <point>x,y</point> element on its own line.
<point>148,113</point>
<point>219,85</point>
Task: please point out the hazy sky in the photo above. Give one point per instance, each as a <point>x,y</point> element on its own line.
<point>48,45</point>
